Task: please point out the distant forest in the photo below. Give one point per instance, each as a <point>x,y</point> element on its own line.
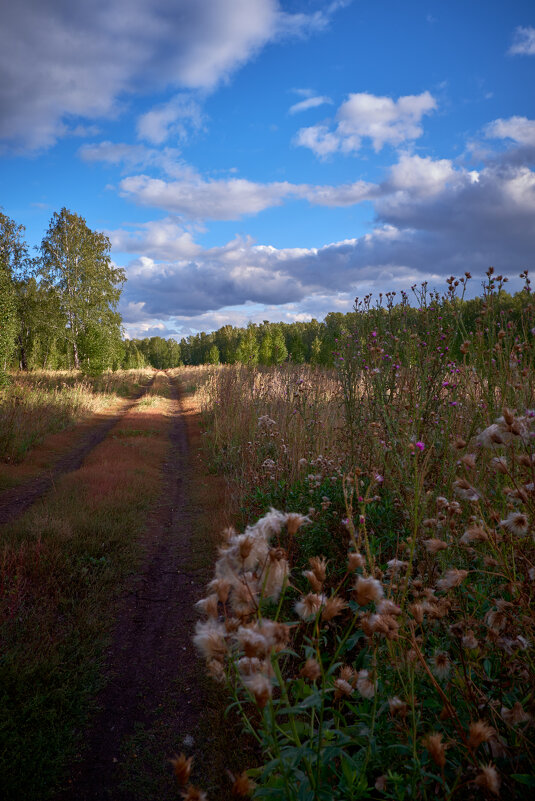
<point>58,310</point>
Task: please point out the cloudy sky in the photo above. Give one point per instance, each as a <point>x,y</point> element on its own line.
<point>271,159</point>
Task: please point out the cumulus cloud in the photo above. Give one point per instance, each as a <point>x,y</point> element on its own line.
<point>519,129</point>
<point>309,102</point>
<point>82,60</point>
<point>381,120</point>
<point>433,219</point>
<point>175,119</point>
<point>198,198</point>
<point>523,42</point>
<point>163,239</point>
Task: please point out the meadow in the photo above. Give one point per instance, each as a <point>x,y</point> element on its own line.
<point>370,618</point>
<point>371,615</point>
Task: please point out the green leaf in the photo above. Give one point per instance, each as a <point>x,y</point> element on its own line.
<point>525,778</point>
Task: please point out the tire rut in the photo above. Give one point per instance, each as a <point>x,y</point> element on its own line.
<point>14,502</point>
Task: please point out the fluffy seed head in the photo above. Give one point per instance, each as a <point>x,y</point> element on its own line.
<point>479,732</point>
<point>367,590</point>
<point>437,749</point>
<point>182,768</point>
<point>364,684</point>
<point>489,779</point>
<point>311,670</point>
<point>452,578</point>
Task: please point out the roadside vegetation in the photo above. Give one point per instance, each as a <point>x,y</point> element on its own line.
<point>371,617</point>
<point>62,565</point>
<point>38,403</point>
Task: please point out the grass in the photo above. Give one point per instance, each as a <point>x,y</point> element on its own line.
<point>405,669</point>
<point>38,404</point>
<point>62,564</point>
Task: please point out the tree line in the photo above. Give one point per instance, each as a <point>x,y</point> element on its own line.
<point>58,308</point>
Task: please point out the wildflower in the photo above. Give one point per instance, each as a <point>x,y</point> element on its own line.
<point>493,435</point>
<point>517,523</point>
<point>436,748</point>
<point>259,686</point>
<point>252,642</point>
<point>474,534</point>
<point>216,670</point>
<point>469,640</point>
<point>210,639</point>
<point>383,624</point>
<point>221,587</point>
<point>242,785</point>
<point>355,560</point>
<point>333,607</point>
<point>489,779</point>
<point>275,574</point>
<point>319,567</point>
<point>313,581</point>
<point>515,715</point>
<point>248,665</point>
<point>208,605</point>
<point>395,565</point>
<point>311,670</point>
<point>420,445</point>
<point>480,732</point>
<point>364,685</point>
<point>469,461</point>
<point>499,463</point>
<point>182,767</point>
<point>441,665</point>
<point>397,707</point>
<point>451,579</point>
<point>388,607</point>
<point>244,595</point>
<point>434,545</point>
<point>417,611</point>
<point>342,687</point>
<point>309,606</point>
<point>465,490</point>
<point>368,589</point>
<point>295,521</point>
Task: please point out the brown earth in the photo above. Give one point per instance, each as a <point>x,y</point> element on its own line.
<point>156,700</point>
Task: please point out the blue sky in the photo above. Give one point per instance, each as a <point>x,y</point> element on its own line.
<point>272,159</point>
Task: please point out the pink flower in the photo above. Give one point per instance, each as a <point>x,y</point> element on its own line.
<point>420,445</point>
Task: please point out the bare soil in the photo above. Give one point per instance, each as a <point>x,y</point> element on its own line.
<point>15,501</point>
<point>156,700</point>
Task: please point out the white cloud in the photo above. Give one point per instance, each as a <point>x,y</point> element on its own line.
<point>310,102</point>
<point>60,61</point>
<point>319,139</point>
<point>519,129</point>
<point>172,119</point>
<point>523,42</point>
<point>422,176</point>
<point>382,120</point>
<point>432,220</point>
<point>163,239</point>
<point>198,198</point>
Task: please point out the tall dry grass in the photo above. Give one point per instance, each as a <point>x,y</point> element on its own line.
<point>39,403</point>
<point>378,635</point>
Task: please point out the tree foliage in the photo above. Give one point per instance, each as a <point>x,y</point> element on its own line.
<point>76,265</point>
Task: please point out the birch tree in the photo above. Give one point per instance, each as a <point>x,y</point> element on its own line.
<point>76,265</point>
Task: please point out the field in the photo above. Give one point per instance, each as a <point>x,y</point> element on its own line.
<point>370,614</point>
